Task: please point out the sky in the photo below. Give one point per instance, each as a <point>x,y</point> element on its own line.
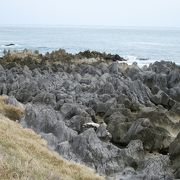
<point>156,13</point>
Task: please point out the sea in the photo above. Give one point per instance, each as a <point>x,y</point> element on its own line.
<point>143,45</point>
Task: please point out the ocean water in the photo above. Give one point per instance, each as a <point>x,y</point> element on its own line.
<point>143,45</point>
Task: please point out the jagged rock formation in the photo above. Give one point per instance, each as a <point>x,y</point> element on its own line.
<point>25,154</point>
<point>121,120</point>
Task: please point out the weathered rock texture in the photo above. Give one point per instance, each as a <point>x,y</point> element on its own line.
<point>122,120</point>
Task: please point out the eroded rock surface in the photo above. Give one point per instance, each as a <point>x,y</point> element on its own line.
<point>122,120</point>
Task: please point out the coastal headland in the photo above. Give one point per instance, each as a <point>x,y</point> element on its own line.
<point>95,109</point>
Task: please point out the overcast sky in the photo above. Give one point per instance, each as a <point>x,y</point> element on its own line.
<point>91,12</point>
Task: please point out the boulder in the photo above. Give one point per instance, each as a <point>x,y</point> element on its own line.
<point>175,92</point>
<point>77,122</point>
<point>45,98</point>
<point>113,68</point>
<point>46,120</point>
<point>156,166</point>
<point>153,138</point>
<point>87,147</point>
<point>107,88</point>
<point>117,126</point>
<point>103,133</point>
<point>173,78</point>
<point>69,110</point>
<point>85,81</point>
<point>135,150</point>
<point>174,152</point>
<point>26,92</point>
<point>161,98</point>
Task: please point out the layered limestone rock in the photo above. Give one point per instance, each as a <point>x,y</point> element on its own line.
<point>120,119</point>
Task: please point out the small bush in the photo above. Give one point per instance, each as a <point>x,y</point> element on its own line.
<point>10,111</point>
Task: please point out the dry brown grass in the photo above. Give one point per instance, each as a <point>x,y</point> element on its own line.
<point>24,155</point>
<point>10,111</point>
<point>21,55</point>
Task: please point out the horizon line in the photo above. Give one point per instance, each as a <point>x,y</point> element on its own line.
<point>87,26</point>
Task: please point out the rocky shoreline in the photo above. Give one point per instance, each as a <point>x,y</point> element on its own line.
<point>121,120</point>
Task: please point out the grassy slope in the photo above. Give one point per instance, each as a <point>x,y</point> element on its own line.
<point>24,155</point>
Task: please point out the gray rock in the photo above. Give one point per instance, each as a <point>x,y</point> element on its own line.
<point>87,148</point>
<point>174,151</point>
<point>51,139</point>
<point>102,133</point>
<point>113,68</point>
<point>76,122</point>
<point>26,92</point>
<point>91,113</point>
<point>102,108</point>
<point>106,89</point>
<point>153,138</point>
<point>104,97</point>
<point>70,102</point>
<point>173,78</point>
<point>69,110</point>
<point>3,88</point>
<point>103,67</point>
<point>156,166</point>
<point>176,108</point>
<point>161,98</point>
<point>135,150</point>
<point>118,126</point>
<point>85,81</point>
<point>175,92</point>
<point>46,120</point>
<point>45,98</point>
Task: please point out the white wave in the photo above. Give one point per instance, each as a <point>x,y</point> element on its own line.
<point>140,61</point>
<point>130,58</point>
